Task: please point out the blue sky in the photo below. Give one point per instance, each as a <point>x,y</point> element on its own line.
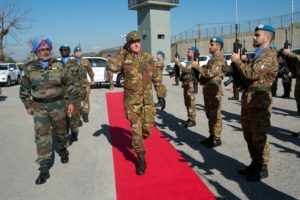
<point>97,24</point>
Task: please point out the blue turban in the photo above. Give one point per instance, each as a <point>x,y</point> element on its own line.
<point>39,43</point>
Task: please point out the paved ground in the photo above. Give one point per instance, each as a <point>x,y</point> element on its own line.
<point>90,174</point>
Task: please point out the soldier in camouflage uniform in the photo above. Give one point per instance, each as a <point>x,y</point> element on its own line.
<point>212,76</point>
<point>42,92</point>
<point>139,75</point>
<point>80,82</point>
<point>187,79</point>
<point>295,58</point>
<point>159,64</point>
<point>86,66</point>
<point>258,74</point>
<point>110,75</point>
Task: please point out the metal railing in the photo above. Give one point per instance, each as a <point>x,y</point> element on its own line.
<point>132,3</point>
<point>202,31</point>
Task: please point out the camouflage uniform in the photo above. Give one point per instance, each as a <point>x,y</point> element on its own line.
<point>258,74</point>
<point>212,76</point>
<point>42,91</point>
<point>158,85</point>
<point>78,74</point>
<point>187,80</point>
<point>296,58</point>
<point>110,77</point>
<point>139,74</point>
<point>86,66</point>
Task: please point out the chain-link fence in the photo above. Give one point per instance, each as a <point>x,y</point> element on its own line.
<point>202,31</point>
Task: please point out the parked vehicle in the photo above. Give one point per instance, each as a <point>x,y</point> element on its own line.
<point>9,73</point>
<point>99,65</point>
<point>203,59</point>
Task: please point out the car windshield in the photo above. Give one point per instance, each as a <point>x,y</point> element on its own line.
<point>182,59</point>
<point>201,58</point>
<point>3,67</point>
<point>98,62</point>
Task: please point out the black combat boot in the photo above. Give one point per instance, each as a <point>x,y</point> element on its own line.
<point>162,103</point>
<point>248,169</point>
<point>64,155</point>
<point>141,163</point>
<point>176,81</point>
<point>259,172</point>
<point>235,94</point>
<point>74,136</point>
<point>43,176</point>
<point>190,123</point>
<point>215,142</point>
<point>85,117</point>
<point>207,140</point>
<point>296,134</point>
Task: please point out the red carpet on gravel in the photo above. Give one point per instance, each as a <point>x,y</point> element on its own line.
<point>167,177</point>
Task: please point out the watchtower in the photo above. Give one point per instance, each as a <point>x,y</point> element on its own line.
<point>153,18</point>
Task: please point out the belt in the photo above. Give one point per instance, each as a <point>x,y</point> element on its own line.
<point>48,100</point>
<point>217,82</point>
<point>259,89</point>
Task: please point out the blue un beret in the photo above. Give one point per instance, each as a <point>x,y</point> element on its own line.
<point>160,52</point>
<point>77,48</point>
<point>193,48</point>
<point>217,39</point>
<point>265,28</point>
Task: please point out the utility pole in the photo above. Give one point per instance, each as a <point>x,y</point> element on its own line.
<point>292,21</point>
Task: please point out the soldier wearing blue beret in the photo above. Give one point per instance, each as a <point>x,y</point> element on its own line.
<point>258,74</point>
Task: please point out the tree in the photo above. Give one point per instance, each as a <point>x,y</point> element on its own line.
<point>11,19</point>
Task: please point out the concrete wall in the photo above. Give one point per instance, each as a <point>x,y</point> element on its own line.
<point>229,40</point>
<point>154,21</point>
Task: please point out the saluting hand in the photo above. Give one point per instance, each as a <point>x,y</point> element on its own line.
<point>70,109</point>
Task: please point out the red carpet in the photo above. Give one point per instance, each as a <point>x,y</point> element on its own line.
<point>167,175</point>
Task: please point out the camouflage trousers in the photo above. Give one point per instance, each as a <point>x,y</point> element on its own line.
<point>141,119</point>
<point>110,77</point>
<point>297,94</point>
<point>49,120</point>
<point>256,124</point>
<point>212,106</point>
<point>189,100</point>
<point>86,101</point>
<point>161,89</point>
<point>74,119</point>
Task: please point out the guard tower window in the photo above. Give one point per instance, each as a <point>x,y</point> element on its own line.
<point>161,36</point>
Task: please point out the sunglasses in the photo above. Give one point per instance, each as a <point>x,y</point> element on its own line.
<point>64,50</point>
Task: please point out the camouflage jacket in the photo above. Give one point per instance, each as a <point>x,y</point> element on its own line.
<point>186,75</point>
<point>159,68</point>
<point>87,68</point>
<point>260,71</point>
<point>212,72</point>
<point>139,74</point>
<point>78,72</point>
<point>296,58</point>
<point>46,83</point>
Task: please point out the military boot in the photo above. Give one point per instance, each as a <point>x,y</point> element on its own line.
<point>74,136</point>
<point>190,123</point>
<point>64,155</point>
<point>85,117</point>
<point>43,176</point>
<point>296,134</point>
<point>235,94</point>
<point>162,103</point>
<point>259,172</point>
<point>215,142</point>
<point>247,170</point>
<point>207,140</point>
<point>141,163</point>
